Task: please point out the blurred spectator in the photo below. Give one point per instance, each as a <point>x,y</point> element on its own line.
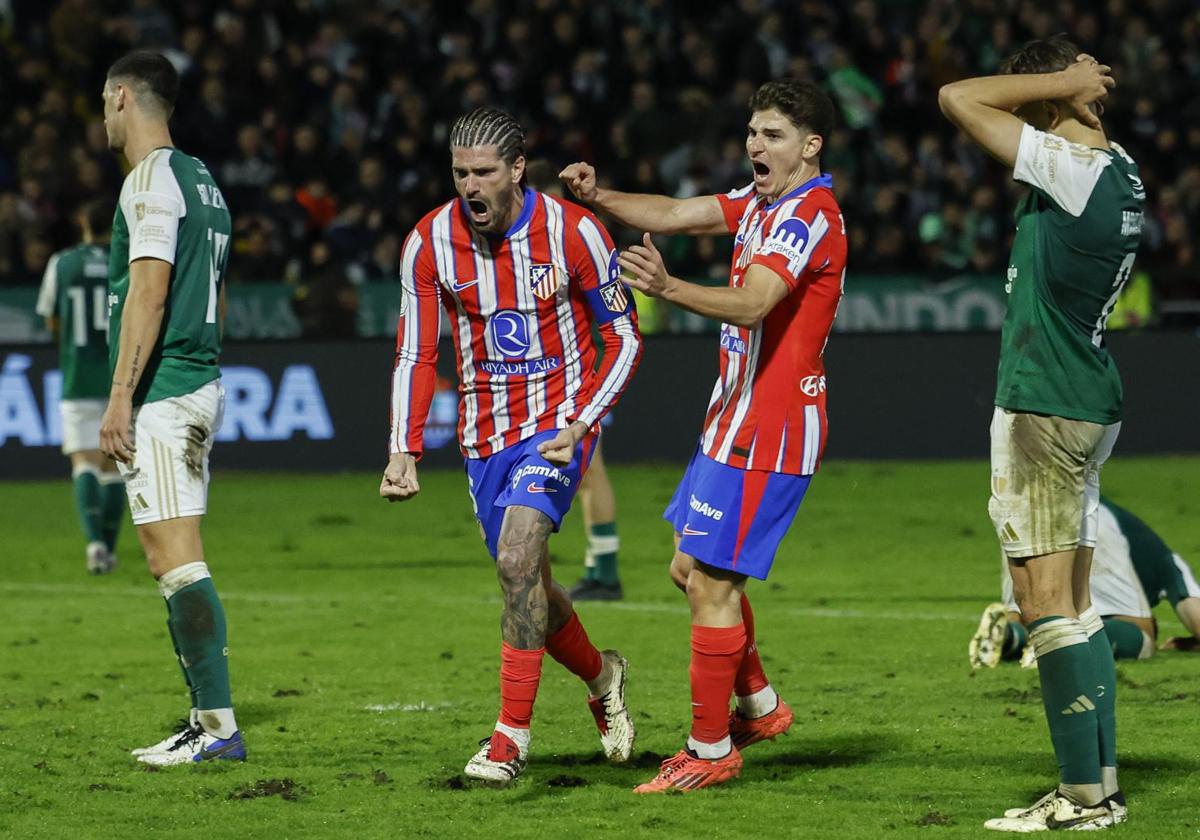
<point>326,302</point>
<point>331,119</point>
<point>244,177</point>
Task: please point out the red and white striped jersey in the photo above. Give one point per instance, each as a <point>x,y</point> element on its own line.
<point>521,309</point>
<point>768,407</point>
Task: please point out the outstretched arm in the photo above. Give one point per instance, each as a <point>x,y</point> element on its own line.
<point>742,306</point>
<point>697,216</point>
<point>983,107</point>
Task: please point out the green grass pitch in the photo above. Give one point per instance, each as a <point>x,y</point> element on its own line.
<point>364,642</point>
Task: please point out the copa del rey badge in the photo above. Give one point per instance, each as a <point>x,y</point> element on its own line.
<point>544,279</point>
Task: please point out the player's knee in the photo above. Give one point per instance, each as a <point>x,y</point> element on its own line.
<point>706,591</point>
<point>516,565</point>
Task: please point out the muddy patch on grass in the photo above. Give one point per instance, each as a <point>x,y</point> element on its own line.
<point>283,788</point>
<point>567,781</point>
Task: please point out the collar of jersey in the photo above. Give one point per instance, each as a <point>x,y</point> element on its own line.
<point>522,220</point>
<point>822,180</point>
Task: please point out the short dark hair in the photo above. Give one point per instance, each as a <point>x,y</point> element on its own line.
<point>99,215</point>
<point>490,127</point>
<point>152,72</point>
<point>803,103</point>
<point>1045,55</point>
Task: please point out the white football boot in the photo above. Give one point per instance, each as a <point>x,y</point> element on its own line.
<point>1054,812</point>
<point>498,762</point>
<point>988,642</point>
<point>195,746</point>
<point>182,730</point>
<point>612,717</point>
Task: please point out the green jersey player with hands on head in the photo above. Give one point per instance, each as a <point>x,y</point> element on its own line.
<point>1058,396</point>
<point>166,282</point>
<point>74,301</point>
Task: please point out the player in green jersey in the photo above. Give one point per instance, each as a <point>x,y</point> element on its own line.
<point>165,282</point>
<point>1058,396</point>
<point>73,300</point>
<point>1132,570</point>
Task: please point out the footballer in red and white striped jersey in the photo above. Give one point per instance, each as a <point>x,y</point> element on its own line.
<point>520,309</point>
<point>522,277</point>
<point>767,410</point>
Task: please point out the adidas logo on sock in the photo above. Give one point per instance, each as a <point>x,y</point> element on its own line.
<point>1081,705</point>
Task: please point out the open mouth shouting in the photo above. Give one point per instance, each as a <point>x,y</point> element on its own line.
<point>761,172</point>
<point>481,214</point>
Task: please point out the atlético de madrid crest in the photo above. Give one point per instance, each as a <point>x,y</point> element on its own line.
<point>544,279</point>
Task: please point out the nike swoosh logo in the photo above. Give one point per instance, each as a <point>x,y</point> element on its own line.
<point>458,287</point>
<point>533,488</point>
<point>689,532</point>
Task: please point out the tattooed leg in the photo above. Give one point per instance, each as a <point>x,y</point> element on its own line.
<point>520,556</point>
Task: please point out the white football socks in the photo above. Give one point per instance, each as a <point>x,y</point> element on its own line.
<point>761,702</point>
<point>710,751</point>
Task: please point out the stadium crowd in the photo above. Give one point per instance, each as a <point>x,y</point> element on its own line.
<point>326,123</point>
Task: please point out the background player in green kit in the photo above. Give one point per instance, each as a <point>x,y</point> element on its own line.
<point>1132,570</point>
<point>74,301</point>
<point>165,281</point>
<point>1058,396</point>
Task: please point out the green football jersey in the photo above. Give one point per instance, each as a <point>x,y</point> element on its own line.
<point>1077,236</point>
<point>75,291</point>
<point>171,209</point>
<point>1160,571</point>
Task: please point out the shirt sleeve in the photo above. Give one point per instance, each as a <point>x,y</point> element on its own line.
<point>1064,172</point>
<point>733,205</point>
<point>414,376</point>
<point>153,209</point>
<point>47,301</point>
<point>796,241</point>
<point>610,305</point>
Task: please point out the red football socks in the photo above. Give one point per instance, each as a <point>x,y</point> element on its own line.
<point>571,648</point>
<point>716,654</point>
<point>520,673</point>
<point>750,676</point>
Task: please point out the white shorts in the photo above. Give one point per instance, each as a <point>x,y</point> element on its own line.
<point>1046,481</point>
<point>173,438</point>
<point>1114,583</point>
<point>81,424</point>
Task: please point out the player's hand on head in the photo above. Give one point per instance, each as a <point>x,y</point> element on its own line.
<point>1090,82</point>
<point>400,478</point>
<point>116,438</point>
<point>580,179</point>
<point>643,268</point>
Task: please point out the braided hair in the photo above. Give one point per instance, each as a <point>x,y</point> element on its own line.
<point>490,127</point>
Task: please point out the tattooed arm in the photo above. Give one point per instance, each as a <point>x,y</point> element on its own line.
<point>141,322</point>
<point>520,555</point>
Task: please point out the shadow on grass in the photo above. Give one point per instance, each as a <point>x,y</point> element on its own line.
<point>793,756</point>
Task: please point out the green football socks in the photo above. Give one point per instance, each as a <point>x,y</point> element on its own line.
<point>1067,675</point>
<point>1105,671</point>
<point>88,501</point>
<point>1125,639</point>
<point>112,507</point>
<point>197,622</point>
<point>179,658</point>
<point>1015,637</point>
<point>602,546</point>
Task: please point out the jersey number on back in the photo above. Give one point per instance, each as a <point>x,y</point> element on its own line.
<point>79,317</point>
<point>220,244</point>
<point>1123,273</point>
